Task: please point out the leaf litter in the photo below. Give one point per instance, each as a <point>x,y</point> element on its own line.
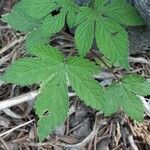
<point>115,132</point>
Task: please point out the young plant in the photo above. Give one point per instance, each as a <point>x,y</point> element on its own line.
<point>102,21</point>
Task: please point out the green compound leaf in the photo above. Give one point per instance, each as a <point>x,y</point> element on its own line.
<point>125,95</point>
<point>50,71</point>
<point>20,20</point>
<point>39,17</point>
<point>106,20</point>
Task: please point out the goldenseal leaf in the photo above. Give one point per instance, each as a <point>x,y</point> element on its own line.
<point>50,70</point>
<point>125,95</point>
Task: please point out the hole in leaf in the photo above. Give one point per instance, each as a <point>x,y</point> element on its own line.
<point>46,113</point>
<point>103,15</point>
<point>55,12</point>
<point>114,33</point>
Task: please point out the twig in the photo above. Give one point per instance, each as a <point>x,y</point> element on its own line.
<point>4,143</point>
<point>32,95</point>
<point>139,60</point>
<point>105,76</point>
<point>21,99</point>
<point>18,100</point>
<point>96,127</point>
<point>146,106</point>
<point>11,113</point>
<point>132,143</point>
<point>17,127</point>
<point>10,45</point>
<point>4,59</point>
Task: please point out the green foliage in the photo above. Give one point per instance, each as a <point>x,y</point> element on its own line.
<point>38,15</point>
<point>106,20</point>
<point>50,71</point>
<point>102,22</point>
<point>19,20</point>
<point>125,95</point>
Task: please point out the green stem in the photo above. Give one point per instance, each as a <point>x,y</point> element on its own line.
<point>92,3</point>
<point>109,68</point>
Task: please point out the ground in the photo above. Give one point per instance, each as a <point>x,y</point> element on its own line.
<point>85,129</point>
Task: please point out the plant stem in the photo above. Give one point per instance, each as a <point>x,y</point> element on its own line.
<point>92,3</point>
<point>109,68</point>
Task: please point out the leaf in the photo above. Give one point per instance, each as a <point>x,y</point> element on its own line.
<point>122,12</point>
<point>84,36</point>
<point>49,54</point>
<point>20,20</point>
<point>71,9</point>
<point>79,73</point>
<point>106,20</point>
<point>32,70</point>
<point>38,9</point>
<point>34,39</point>
<point>52,105</point>
<point>100,4</point>
<point>27,71</point>
<point>52,24</point>
<point>113,41</point>
<point>137,84</point>
<point>50,70</point>
<point>125,95</point>
<point>71,15</point>
<point>86,67</point>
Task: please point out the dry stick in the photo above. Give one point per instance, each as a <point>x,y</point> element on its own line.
<point>11,114</point>
<point>132,143</point>
<point>10,45</point>
<point>32,95</point>
<point>17,127</point>
<point>4,59</point>
<point>83,143</point>
<point>139,60</point>
<point>21,99</point>
<point>71,111</point>
<point>146,105</point>
<point>18,100</point>
<point>4,143</point>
